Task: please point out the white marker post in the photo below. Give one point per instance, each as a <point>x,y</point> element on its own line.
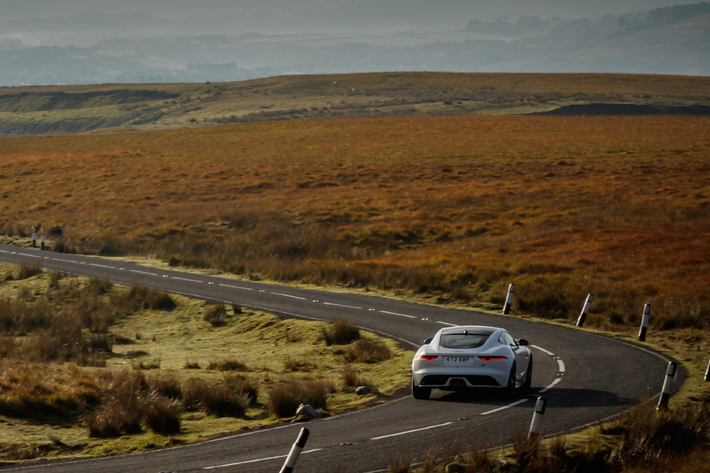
<point>585,310</point>
<point>509,299</point>
<point>42,240</point>
<point>536,424</point>
<point>644,322</point>
<point>295,451</point>
<point>34,237</point>
<point>707,372</point>
<point>667,386</point>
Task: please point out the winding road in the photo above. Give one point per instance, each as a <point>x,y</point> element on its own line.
<point>585,377</point>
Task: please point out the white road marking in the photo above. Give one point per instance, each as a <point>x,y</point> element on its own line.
<point>142,272</point>
<point>102,266</point>
<point>446,323</point>
<point>550,386</point>
<point>186,279</point>
<point>257,460</point>
<point>561,364</point>
<point>237,287</point>
<point>543,350</point>
<point>400,315</point>
<point>31,256</point>
<point>505,407</point>
<point>289,295</point>
<point>64,260</point>
<point>341,305</point>
<point>412,431</point>
<point>3,251</point>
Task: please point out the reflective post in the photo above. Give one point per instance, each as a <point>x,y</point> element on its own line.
<point>42,240</point>
<point>585,310</point>
<point>34,237</point>
<point>536,424</point>
<point>667,386</point>
<point>509,299</point>
<point>644,322</point>
<point>295,451</point>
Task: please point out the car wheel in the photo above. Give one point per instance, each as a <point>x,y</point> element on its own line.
<point>420,393</point>
<point>510,388</point>
<point>528,376</point>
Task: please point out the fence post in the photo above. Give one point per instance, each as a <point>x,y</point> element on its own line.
<point>644,322</point>
<point>34,237</point>
<point>536,424</point>
<point>295,451</point>
<point>509,299</point>
<point>585,310</point>
<point>667,385</point>
<point>42,240</point>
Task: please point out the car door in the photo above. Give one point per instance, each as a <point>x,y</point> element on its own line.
<point>521,356</point>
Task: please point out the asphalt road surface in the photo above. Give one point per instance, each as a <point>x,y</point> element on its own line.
<point>585,377</point>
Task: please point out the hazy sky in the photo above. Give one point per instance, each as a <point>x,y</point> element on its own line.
<point>14,9</point>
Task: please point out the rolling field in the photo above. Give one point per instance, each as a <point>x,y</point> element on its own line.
<point>449,208</point>
<point>68,109</point>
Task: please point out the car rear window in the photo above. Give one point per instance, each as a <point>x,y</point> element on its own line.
<point>463,340</point>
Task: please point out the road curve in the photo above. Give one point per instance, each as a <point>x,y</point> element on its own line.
<point>585,377</point>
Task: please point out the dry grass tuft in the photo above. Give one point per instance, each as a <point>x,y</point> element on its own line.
<point>285,398</point>
<point>340,332</point>
<point>368,350</point>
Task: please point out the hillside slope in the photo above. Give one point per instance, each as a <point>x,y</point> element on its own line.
<point>68,109</point>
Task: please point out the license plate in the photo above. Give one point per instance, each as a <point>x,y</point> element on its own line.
<point>457,359</point>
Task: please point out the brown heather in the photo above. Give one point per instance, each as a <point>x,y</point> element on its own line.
<point>447,207</point>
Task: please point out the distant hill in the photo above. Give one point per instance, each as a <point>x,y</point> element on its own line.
<point>70,109</point>
<point>673,40</point>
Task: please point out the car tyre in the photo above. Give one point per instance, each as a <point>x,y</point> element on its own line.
<point>510,389</point>
<point>420,393</point>
<point>528,376</point>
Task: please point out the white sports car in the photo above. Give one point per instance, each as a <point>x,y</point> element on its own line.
<point>465,357</point>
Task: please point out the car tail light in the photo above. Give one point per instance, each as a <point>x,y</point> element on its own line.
<point>491,358</point>
<point>428,357</point>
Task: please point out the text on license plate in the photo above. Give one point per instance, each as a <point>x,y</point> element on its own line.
<point>457,359</point>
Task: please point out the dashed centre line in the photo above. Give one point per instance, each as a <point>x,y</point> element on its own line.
<point>341,305</point>
<point>446,323</point>
<point>257,460</point>
<point>543,350</point>
<point>186,279</point>
<point>142,272</point>
<point>412,431</point>
<point>399,315</point>
<point>31,256</point>
<point>505,407</point>
<point>550,386</point>
<point>102,266</point>
<point>289,295</point>
<point>561,364</point>
<point>237,287</point>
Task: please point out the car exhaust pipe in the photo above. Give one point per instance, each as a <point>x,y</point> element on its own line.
<point>457,383</point>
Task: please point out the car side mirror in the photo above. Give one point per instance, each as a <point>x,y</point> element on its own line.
<point>523,343</point>
<point>428,341</point>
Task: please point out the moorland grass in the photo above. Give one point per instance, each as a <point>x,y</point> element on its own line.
<point>451,209</point>
<point>85,383</point>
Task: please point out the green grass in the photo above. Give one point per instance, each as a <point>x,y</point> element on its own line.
<point>256,344</point>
